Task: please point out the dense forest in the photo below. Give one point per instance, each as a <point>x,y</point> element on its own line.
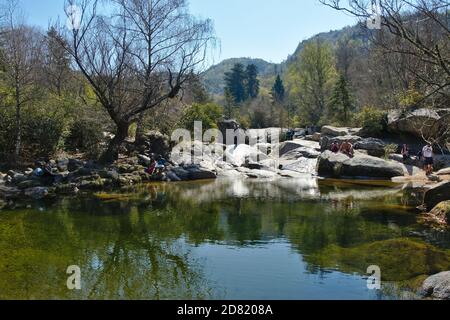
<point>89,89</point>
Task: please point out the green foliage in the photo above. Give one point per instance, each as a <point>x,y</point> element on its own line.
<point>390,149</point>
<point>242,84</point>
<point>215,82</point>
<point>252,82</point>
<point>341,103</point>
<point>85,135</point>
<point>41,133</point>
<point>372,120</point>
<point>310,78</point>
<point>209,114</point>
<point>235,83</point>
<point>278,92</point>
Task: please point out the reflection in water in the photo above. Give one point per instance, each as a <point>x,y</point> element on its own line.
<point>241,239</point>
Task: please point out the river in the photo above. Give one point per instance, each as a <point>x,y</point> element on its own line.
<point>225,239</point>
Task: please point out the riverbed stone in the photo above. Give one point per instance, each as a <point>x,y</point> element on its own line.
<point>37,193</point>
<point>437,194</point>
<point>67,189</point>
<point>437,286</point>
<point>32,183</point>
<point>9,193</point>
<point>338,165</point>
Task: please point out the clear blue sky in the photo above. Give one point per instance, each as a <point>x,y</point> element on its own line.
<point>267,29</point>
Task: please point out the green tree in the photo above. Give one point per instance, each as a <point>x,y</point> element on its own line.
<point>278,91</point>
<point>209,114</point>
<point>341,102</point>
<point>252,82</point>
<point>310,79</point>
<point>235,83</point>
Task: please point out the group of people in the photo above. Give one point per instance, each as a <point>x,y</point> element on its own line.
<point>426,155</point>
<point>157,166</point>
<point>346,148</point>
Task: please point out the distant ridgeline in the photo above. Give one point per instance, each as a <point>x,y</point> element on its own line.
<point>213,78</point>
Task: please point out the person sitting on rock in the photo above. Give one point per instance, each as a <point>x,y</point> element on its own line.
<point>347,149</point>
<point>335,147</point>
<point>160,165</point>
<point>405,153</point>
<point>151,169</point>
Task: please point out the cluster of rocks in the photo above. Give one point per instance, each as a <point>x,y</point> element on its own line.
<point>71,176</point>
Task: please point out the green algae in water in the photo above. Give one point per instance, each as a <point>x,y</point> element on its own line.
<point>287,239</point>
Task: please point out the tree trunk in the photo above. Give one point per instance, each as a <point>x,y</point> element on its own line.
<point>139,130</point>
<point>112,153</point>
<point>18,142</point>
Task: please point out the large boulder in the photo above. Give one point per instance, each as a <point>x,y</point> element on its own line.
<point>339,131</point>
<point>441,213</point>
<point>326,142</point>
<point>437,286</point>
<point>417,122</point>
<point>338,165</point>
<point>437,194</point>
<point>374,147</point>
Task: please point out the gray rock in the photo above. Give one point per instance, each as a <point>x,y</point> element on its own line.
<point>437,286</point>
<point>339,131</point>
<point>144,160</point>
<point>339,165</point>
<point>443,172</point>
<point>37,193</point>
<point>62,164</point>
<point>314,137</point>
<point>9,193</point>
<point>412,122</point>
<point>197,173</point>
<point>374,147</point>
<point>74,165</point>
<point>171,176</point>
<point>67,189</point>
<point>27,184</point>
<point>437,194</point>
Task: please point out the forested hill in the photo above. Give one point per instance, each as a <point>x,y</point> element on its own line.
<point>213,78</point>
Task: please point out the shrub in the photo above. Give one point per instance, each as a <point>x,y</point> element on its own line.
<point>209,114</point>
<point>41,133</point>
<point>372,120</point>
<point>85,135</point>
<point>390,149</point>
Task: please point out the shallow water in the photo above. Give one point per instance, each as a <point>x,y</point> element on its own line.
<point>224,239</point>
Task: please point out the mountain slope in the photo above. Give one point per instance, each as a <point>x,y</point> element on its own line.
<point>213,78</point>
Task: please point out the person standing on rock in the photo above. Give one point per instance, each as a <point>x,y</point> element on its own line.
<point>427,153</point>
<point>405,153</point>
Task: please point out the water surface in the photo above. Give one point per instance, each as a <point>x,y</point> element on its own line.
<point>224,239</point>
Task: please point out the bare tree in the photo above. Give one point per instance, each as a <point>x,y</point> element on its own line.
<point>135,56</point>
<point>421,29</point>
<point>21,53</point>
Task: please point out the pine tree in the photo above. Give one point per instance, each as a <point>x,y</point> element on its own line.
<point>235,83</point>
<point>252,82</point>
<point>341,102</point>
<point>278,92</point>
